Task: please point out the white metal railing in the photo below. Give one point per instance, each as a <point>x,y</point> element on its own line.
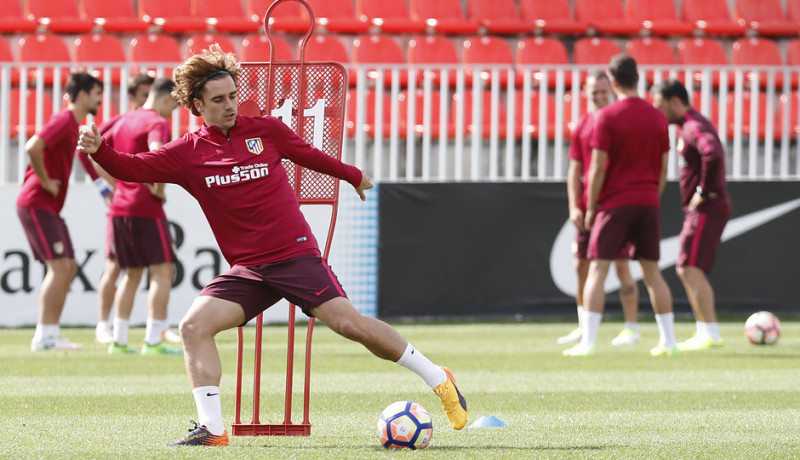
<point>457,123</point>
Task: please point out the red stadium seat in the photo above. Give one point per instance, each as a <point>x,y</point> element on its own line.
<point>338,16</point>
<point>112,15</point>
<point>652,51</point>
<point>368,125</point>
<point>747,124</point>
<point>195,44</point>
<point>498,16</point>
<point>765,17</point>
<point>605,17</point>
<point>286,17</point>
<point>702,52</point>
<point>419,114</point>
<point>255,48</point>
<point>13,20</point>
<point>173,16</point>
<point>378,49</point>
<point>99,48</point>
<point>486,112</point>
<point>755,51</point>
<point>486,50</point>
<point>711,17</point>
<point>660,18</point>
<point>327,48</point>
<point>6,57</point>
<point>46,49</point>
<point>444,16</point>
<point>154,49</point>
<point>594,51</point>
<point>29,126</point>
<point>533,126</point>
<point>546,51</point>
<point>57,16</point>
<point>793,10</point>
<point>225,16</point>
<point>551,17</point>
<point>433,50</point>
<point>390,16</point>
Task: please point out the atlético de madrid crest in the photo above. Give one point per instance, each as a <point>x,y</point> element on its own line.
<point>254,145</point>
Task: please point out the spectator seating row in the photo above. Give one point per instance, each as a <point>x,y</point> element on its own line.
<point>454,100</point>
<point>533,126</point>
<point>658,17</point>
<point>435,50</point>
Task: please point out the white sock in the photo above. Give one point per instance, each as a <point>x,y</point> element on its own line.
<point>712,330</point>
<point>633,326</point>
<point>209,409</point>
<point>416,362</point>
<point>46,330</point>
<point>102,326</point>
<point>666,329</point>
<point>153,330</point>
<point>120,333</point>
<point>581,319</point>
<point>701,328</point>
<point>591,326</point>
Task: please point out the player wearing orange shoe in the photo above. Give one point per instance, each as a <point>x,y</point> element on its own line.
<point>232,166</point>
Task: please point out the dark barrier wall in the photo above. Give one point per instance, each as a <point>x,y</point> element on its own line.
<point>491,249</point>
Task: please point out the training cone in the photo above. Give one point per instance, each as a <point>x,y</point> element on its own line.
<point>488,421</point>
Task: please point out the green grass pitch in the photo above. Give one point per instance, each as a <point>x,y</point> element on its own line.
<point>740,401</point>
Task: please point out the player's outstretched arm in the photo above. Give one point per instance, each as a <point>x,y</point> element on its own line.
<point>366,184</point>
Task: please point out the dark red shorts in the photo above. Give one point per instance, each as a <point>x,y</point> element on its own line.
<point>306,281</point>
<point>47,234</point>
<point>613,229</point>
<point>699,239</point>
<point>580,248</point>
<point>141,241</point>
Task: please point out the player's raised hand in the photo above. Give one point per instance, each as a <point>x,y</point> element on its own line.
<point>366,184</point>
<point>89,138</point>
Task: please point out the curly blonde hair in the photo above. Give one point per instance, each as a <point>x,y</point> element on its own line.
<point>191,76</point>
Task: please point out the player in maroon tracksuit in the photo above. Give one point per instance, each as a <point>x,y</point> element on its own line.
<point>44,189</point>
<point>706,206</point>
<point>232,166</point>
<point>626,177</point>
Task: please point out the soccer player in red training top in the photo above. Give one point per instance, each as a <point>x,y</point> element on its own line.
<point>627,175</point>
<point>138,89</point>
<point>598,89</point>
<point>141,235</point>
<point>232,166</point>
<point>51,152</point>
<point>706,207</point>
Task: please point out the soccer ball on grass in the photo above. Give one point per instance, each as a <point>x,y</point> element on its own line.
<point>762,328</point>
<point>405,425</point>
